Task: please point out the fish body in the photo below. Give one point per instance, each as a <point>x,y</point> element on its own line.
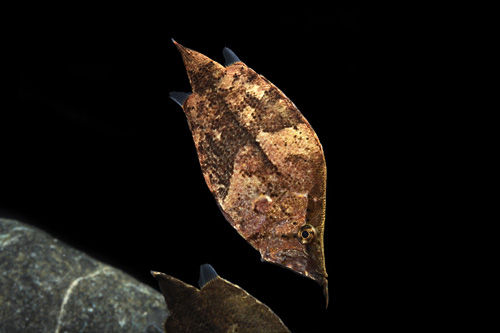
<point>218,306</point>
<point>261,160</point>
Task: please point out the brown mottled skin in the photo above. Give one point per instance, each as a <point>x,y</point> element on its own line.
<point>219,306</point>
<point>261,160</point>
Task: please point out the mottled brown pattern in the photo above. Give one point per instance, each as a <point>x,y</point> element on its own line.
<point>218,306</point>
<point>262,161</point>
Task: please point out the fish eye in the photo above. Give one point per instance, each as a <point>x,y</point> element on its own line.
<point>306,233</point>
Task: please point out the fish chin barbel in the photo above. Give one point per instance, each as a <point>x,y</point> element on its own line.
<point>261,160</point>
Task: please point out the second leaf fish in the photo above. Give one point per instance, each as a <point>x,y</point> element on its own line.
<point>261,160</point>
<point>218,306</point>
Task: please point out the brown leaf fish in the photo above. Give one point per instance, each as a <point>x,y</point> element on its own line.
<point>261,160</point>
<point>218,306</point>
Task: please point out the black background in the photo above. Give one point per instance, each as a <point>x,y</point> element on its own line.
<point>95,153</point>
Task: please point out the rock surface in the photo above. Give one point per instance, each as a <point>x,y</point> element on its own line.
<point>47,286</point>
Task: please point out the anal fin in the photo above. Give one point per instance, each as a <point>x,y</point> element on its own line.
<point>179,97</point>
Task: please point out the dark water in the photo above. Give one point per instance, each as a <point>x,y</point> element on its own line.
<point>95,153</point>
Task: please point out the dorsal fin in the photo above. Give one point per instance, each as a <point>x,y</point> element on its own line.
<point>207,274</point>
<point>229,56</point>
<point>179,97</point>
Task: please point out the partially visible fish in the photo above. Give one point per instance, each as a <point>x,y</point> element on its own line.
<point>261,160</point>
<point>218,306</point>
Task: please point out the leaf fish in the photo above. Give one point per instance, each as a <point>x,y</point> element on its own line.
<point>261,160</point>
<point>218,306</point>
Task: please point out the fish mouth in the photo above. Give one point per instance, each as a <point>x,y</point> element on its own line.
<point>300,263</point>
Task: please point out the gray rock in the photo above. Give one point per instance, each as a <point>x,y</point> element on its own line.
<point>47,286</point>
